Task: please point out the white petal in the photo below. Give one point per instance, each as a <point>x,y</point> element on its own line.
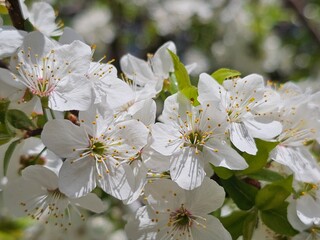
<point>242,139</point>
<point>142,227</point>
<point>77,178</point>
<point>117,91</point>
<point>62,136</point>
<point>19,190</point>
<point>299,160</point>
<point>134,135</point>
<point>261,130</point>
<point>293,218</point>
<point>69,35</point>
<point>74,57</point>
<point>10,40</point>
<point>154,160</point>
<point>206,198</point>
<point>165,139</point>
<point>96,119</point>
<point>136,69</point>
<point>213,230</point>
<point>144,111</point>
<point>41,175</point>
<point>160,195</point>
<point>175,107</point>
<point>91,202</point>
<point>308,210</point>
<point>245,85</point>
<point>35,43</point>
<point>161,61</point>
<point>72,94</point>
<point>7,77</point>
<point>42,17</point>
<point>118,181</point>
<point>209,90</point>
<point>139,172</point>
<point>187,169</point>
<point>222,155</point>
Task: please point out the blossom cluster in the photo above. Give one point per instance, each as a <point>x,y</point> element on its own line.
<point>71,125</point>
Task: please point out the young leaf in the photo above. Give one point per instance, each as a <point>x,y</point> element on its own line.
<point>258,161</point>
<point>223,73</point>
<point>172,87</point>
<point>5,132</point>
<point>249,224</point>
<point>242,193</point>
<point>266,175</point>
<point>192,94</point>
<point>274,195</point>
<point>222,172</point>
<point>180,72</point>
<point>276,219</point>
<point>19,119</point>
<point>8,154</point>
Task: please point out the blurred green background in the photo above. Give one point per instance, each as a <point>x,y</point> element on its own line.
<point>277,38</point>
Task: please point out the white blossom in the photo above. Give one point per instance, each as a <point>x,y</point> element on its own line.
<point>191,137</point>
<point>99,152</point>
<point>248,104</point>
<point>36,194</point>
<point>178,214</point>
<point>56,72</point>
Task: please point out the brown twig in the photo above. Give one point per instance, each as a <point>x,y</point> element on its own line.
<point>15,12</point>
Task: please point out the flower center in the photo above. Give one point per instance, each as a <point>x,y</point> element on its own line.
<point>181,219</point>
<point>98,148</point>
<point>195,139</point>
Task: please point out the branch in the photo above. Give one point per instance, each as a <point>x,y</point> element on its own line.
<point>14,10</point>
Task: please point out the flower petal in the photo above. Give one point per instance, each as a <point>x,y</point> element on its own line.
<point>222,155</point>
<point>213,230</point>
<point>206,198</point>
<point>41,175</point>
<point>91,202</point>
<point>77,178</point>
<point>187,169</point>
<point>261,130</point>
<point>299,160</point>
<point>62,137</point>
<point>10,40</point>
<point>242,139</point>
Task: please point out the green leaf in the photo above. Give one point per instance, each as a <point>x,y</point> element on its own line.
<point>180,72</point>
<point>249,224</point>
<point>192,94</point>
<point>172,87</point>
<point>19,119</point>
<point>222,172</point>
<point>234,223</point>
<point>258,161</point>
<point>5,133</point>
<point>242,193</point>
<point>223,73</point>
<point>41,121</point>
<point>276,219</point>
<point>274,195</point>
<point>266,175</point>
<point>8,155</point>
